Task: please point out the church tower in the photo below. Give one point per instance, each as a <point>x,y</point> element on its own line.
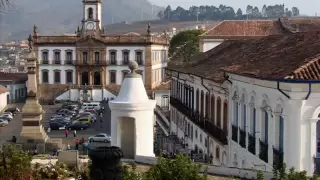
<point>91,15</point>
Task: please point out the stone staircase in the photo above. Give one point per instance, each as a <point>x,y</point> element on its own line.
<point>51,91</point>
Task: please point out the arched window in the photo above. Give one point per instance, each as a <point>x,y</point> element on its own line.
<point>212,109</point>
<point>202,104</point>
<point>207,105</point>
<point>252,117</point>
<point>219,112</point>
<point>243,113</point>
<point>90,13</point>
<point>197,100</point>
<point>225,116</point>
<point>235,113</point>
<point>264,126</point>
<point>217,153</point>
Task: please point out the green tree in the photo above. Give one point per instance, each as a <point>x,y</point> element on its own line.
<point>185,44</point>
<point>171,169</point>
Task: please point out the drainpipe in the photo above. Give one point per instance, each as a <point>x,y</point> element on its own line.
<point>227,78</point>
<point>282,92</point>
<point>208,144</point>
<point>309,92</point>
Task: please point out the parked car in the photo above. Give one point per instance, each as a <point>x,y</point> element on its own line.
<point>6,116</point>
<point>12,110</point>
<point>57,126</point>
<point>83,120</point>
<point>8,113</point>
<point>77,126</point>
<point>102,137</point>
<point>3,122</point>
<point>61,120</point>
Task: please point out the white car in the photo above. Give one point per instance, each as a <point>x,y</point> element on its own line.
<point>3,122</point>
<point>9,113</point>
<point>102,137</point>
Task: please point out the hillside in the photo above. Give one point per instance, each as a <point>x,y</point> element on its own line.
<point>63,16</point>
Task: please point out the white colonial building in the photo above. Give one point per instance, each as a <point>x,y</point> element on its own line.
<point>92,57</point>
<point>251,104</point>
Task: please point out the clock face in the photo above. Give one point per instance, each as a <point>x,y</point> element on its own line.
<point>90,26</point>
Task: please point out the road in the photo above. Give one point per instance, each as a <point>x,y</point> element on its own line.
<point>14,127</point>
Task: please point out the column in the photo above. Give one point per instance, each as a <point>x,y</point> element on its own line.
<point>313,146</point>
<point>90,77</point>
<point>258,130</point>
<point>102,77</point>
<point>78,78</point>
<point>271,131</point>
<point>292,136</point>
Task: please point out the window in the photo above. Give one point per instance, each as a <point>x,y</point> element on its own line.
<point>212,109</point>
<point>113,57</point>
<point>85,57</point>
<point>264,126</point>
<point>244,117</point>
<point>125,57</point>
<point>196,134</point>
<point>45,77</point>
<point>207,105</point>
<point>112,76</point>
<point>165,102</point>
<point>45,57</point>
<point>235,113</point>
<point>57,57</point>
<point>219,112</point>
<point>97,57</point>
<point>200,137</point>
<point>225,116</point>
<point>253,122</point>
<point>217,153</point>
<point>57,77</point>
<point>139,57</point>
<point>90,13</point>
<point>197,100</point>
<point>69,77</point>
<point>124,73</point>
<point>69,57</point>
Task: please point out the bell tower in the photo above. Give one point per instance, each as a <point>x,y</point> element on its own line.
<point>91,15</point>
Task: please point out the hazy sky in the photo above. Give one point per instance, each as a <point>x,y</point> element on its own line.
<point>309,7</point>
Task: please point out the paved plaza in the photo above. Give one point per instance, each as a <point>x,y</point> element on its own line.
<point>14,127</point>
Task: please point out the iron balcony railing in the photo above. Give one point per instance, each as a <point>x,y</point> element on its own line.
<point>251,143</point>
<point>89,63</point>
<point>277,158</point>
<point>263,151</point>
<point>203,122</point>
<point>242,140</point>
<point>235,133</point>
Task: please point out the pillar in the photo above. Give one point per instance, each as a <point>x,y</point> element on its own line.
<point>271,137</point>
<point>90,77</point>
<point>292,136</point>
<point>102,77</point>
<point>148,67</point>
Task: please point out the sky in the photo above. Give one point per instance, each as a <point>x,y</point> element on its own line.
<point>308,7</point>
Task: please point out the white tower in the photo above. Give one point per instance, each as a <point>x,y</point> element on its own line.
<point>132,117</point>
<point>91,14</point>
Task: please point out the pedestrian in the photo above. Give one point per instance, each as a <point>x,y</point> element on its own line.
<point>76,142</point>
<point>74,133</point>
<point>68,147</point>
<point>82,140</point>
<point>66,132</point>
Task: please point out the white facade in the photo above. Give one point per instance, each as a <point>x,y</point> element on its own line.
<point>3,100</point>
<point>282,115</point>
<point>207,44</point>
<point>132,119</point>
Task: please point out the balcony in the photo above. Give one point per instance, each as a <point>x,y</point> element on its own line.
<point>277,158</point>
<point>201,121</point>
<point>57,62</point>
<point>44,62</point>
<point>69,62</point>
<point>263,155</point>
<point>140,62</point>
<point>242,140</point>
<point>125,62</point>
<point>252,143</point>
<point>112,62</point>
<point>89,63</point>
<point>235,133</point>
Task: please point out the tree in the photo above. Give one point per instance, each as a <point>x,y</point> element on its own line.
<point>160,15</point>
<point>167,13</point>
<point>239,13</point>
<point>249,9</point>
<point>263,11</point>
<point>185,44</point>
<point>295,11</point>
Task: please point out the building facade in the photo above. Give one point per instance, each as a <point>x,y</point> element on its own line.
<point>92,57</point>
<point>251,104</point>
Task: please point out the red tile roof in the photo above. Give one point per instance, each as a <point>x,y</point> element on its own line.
<point>16,77</point>
<point>283,56</point>
<point>245,28</point>
<point>260,28</point>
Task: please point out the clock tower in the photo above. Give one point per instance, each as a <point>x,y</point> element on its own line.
<point>91,15</point>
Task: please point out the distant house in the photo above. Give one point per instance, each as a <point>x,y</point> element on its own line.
<point>4,97</point>
<point>16,85</point>
<point>248,29</point>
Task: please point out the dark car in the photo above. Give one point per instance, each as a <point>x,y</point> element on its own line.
<point>77,126</point>
<point>56,125</point>
<point>13,110</point>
